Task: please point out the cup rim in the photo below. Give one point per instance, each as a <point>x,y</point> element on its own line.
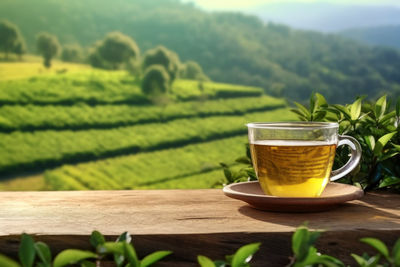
<point>293,125</point>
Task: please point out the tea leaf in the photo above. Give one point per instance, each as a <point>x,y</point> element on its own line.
<point>321,100</point>
<point>360,260</point>
<point>377,244</point>
<point>299,242</point>
<point>204,261</point>
<point>88,264</point>
<point>6,261</point>
<point>244,160</point>
<point>244,254</point>
<point>319,115</point>
<point>380,107</point>
<point>43,252</point>
<point>303,110</point>
<point>380,144</point>
<point>343,110</point>
<point>26,251</point>
<point>125,236</point>
<point>96,238</point>
<point>72,256</point>
<point>111,247</point>
<point>389,181</point>
<point>396,253</point>
<point>130,254</point>
<point>220,263</point>
<point>370,141</point>
<point>387,117</point>
<point>301,115</point>
<point>313,105</point>
<point>153,258</point>
<point>355,109</point>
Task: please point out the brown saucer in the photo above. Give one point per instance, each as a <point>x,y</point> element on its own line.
<point>333,195</point>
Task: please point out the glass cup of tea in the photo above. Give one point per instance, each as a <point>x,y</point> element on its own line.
<point>294,159</point>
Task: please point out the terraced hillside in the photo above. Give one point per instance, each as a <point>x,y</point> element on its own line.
<point>99,131</point>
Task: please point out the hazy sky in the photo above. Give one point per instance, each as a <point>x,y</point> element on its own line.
<point>228,4</point>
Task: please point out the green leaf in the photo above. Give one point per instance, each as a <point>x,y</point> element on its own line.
<point>228,175</point>
<point>72,256</point>
<point>396,253</point>
<point>387,155</point>
<point>96,238</point>
<point>360,260</point>
<point>355,109</point>
<point>44,253</point>
<point>244,160</point>
<point>389,181</point>
<point>303,110</point>
<point>26,251</point>
<point>204,261</point>
<point>377,244</point>
<point>124,237</point>
<point>380,144</point>
<point>380,107</point>
<point>319,115</point>
<point>6,261</point>
<point>153,258</point>
<point>343,110</point>
<point>111,247</point>
<point>300,114</point>
<point>321,100</point>
<point>387,117</point>
<point>397,147</point>
<point>131,255</point>
<point>244,254</point>
<point>313,105</point>
<point>220,263</point>
<point>370,140</point>
<point>299,242</point>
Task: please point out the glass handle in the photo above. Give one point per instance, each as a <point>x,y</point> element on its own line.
<point>354,157</point>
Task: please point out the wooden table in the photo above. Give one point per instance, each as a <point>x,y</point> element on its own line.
<point>190,222</point>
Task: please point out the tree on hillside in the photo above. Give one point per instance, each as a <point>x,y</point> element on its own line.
<point>117,49</point>
<point>48,46</point>
<point>164,57</point>
<point>192,70</point>
<point>155,80</point>
<point>72,53</point>
<point>11,39</point>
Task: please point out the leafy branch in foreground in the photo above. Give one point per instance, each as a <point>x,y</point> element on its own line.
<point>123,253</point>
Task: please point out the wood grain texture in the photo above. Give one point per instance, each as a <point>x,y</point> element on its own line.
<point>190,222</point>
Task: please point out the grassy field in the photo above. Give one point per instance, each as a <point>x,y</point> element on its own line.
<point>101,132</point>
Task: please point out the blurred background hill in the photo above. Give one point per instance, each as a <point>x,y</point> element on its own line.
<point>233,47</point>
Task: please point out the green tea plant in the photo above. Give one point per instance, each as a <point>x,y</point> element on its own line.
<point>33,253</point>
<point>374,124</point>
<point>123,253</point>
<point>376,127</point>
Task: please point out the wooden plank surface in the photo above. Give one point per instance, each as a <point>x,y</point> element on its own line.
<point>190,222</point>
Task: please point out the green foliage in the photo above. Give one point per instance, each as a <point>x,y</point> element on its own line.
<point>232,48</point>
<point>305,254</point>
<point>48,46</point>
<point>155,80</point>
<point>11,39</point>
<point>191,70</point>
<point>124,254</point>
<point>117,49</point>
<point>37,149</point>
<point>164,57</point>
<point>375,127</point>
<point>72,53</point>
<point>240,258</point>
<point>383,258</point>
<point>106,87</point>
<point>48,117</point>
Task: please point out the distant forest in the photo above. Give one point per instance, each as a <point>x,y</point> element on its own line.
<point>230,47</point>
